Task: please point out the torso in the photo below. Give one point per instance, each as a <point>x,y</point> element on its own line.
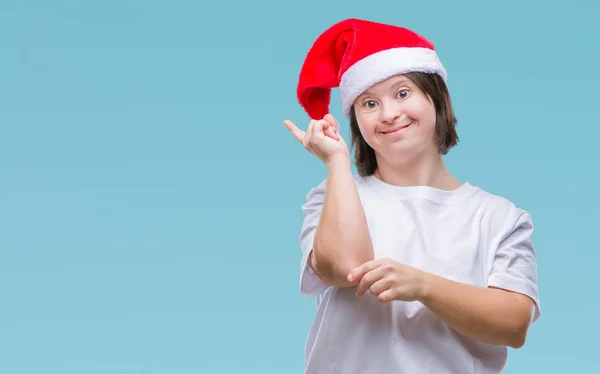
<point>450,233</point>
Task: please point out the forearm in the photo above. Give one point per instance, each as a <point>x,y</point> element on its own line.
<point>491,315</point>
<point>342,239</point>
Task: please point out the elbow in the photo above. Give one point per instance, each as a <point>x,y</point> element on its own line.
<point>519,323</point>
<point>518,336</point>
<point>344,268</point>
<point>335,270</point>
<point>517,341</point>
<point>334,273</point>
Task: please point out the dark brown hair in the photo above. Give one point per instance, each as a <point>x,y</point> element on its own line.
<point>434,87</point>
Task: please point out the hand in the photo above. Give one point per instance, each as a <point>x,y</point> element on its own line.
<point>388,280</point>
<point>321,138</point>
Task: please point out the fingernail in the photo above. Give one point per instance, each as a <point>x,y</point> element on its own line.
<point>350,277</point>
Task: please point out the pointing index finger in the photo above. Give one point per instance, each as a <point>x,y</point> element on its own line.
<point>298,134</point>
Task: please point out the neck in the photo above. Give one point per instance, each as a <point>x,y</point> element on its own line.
<point>427,169</point>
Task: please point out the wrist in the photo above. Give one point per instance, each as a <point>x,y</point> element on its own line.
<point>424,289</point>
<point>338,160</point>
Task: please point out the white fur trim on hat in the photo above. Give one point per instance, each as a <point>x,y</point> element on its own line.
<point>382,65</point>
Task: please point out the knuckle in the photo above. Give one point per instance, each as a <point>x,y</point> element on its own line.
<point>365,287</point>
<point>363,283</point>
<point>388,264</point>
<point>306,141</point>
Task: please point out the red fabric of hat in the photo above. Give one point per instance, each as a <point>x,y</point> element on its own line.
<point>356,54</point>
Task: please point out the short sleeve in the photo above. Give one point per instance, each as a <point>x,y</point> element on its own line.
<point>514,266</point>
<point>310,284</point>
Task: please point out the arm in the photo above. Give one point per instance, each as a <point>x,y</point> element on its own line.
<point>341,238</point>
<point>342,241</point>
<point>501,312</point>
<point>491,315</point>
<point>498,313</point>
<point>488,314</point>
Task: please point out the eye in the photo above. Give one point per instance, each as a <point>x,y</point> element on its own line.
<point>403,93</point>
<point>370,104</point>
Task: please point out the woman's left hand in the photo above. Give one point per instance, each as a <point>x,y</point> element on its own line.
<point>389,280</point>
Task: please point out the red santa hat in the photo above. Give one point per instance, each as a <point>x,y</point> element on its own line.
<point>356,54</point>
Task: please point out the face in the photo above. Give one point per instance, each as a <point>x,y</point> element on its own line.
<point>396,119</point>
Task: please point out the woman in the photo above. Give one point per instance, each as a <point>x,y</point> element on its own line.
<point>413,270</point>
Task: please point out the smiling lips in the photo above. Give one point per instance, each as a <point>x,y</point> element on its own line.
<point>394,130</point>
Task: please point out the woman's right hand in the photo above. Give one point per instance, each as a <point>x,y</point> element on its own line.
<point>322,138</point>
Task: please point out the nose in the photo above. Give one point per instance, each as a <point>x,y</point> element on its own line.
<point>389,112</point>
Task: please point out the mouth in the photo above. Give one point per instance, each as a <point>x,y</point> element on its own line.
<point>396,129</point>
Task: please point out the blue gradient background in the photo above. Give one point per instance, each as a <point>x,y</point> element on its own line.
<point>150,195</point>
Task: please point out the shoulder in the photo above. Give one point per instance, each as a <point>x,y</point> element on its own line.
<point>502,212</point>
<point>500,203</point>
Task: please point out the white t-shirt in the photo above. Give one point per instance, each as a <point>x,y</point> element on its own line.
<point>467,235</point>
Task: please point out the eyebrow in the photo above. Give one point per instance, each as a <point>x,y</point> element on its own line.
<point>399,82</point>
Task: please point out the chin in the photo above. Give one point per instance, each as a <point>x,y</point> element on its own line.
<point>400,153</point>
<point>399,156</point>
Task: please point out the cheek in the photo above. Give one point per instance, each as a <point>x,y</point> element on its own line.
<point>365,127</point>
<point>430,123</point>
<point>426,117</point>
